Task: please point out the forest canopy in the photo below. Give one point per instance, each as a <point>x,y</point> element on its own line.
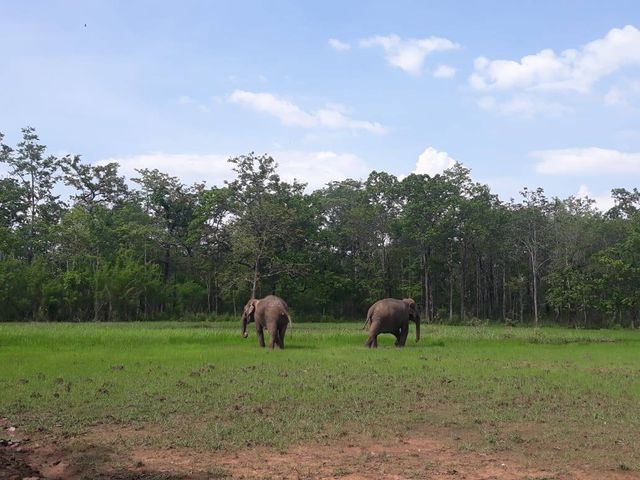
<point>153,247</point>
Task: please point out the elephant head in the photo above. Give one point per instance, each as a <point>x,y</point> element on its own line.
<point>248,315</point>
<point>413,314</point>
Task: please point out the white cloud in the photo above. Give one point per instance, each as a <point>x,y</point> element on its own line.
<point>444,71</point>
<point>433,162</point>
<point>574,69</point>
<point>338,45</point>
<point>525,106</point>
<point>189,167</point>
<point>603,202</point>
<point>314,168</point>
<point>586,161</point>
<point>319,168</point>
<point>288,113</point>
<point>623,95</point>
<point>331,117</point>
<point>409,54</point>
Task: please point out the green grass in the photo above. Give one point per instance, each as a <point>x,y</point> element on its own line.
<point>203,386</point>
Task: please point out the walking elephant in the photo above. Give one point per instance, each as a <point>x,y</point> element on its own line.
<point>270,312</point>
<point>392,316</point>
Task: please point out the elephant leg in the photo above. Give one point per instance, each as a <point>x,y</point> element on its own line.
<point>260,332</point>
<point>281,331</point>
<point>402,340</point>
<point>372,341</point>
<point>273,337</point>
<point>374,330</point>
<point>369,342</point>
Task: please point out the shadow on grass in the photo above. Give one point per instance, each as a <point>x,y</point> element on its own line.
<point>289,346</point>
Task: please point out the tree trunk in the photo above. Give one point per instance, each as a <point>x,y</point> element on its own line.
<point>32,193</point>
<point>386,284</point>
<point>426,290</point>
<point>535,287</point>
<point>478,301</point>
<point>431,302</point>
<point>208,283</point>
<point>462,286</point>
<point>504,294</point>
<point>450,295</point>
<point>96,302</point>
<point>216,290</point>
<point>256,277</point>
<point>167,263</point>
<point>450,285</point>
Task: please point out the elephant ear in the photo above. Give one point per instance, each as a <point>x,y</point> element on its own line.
<point>249,308</point>
<point>413,307</point>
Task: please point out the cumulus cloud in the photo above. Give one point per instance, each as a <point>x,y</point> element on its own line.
<point>331,117</point>
<point>525,106</point>
<point>338,45</point>
<point>287,112</point>
<point>603,202</point>
<point>444,71</point>
<point>571,70</point>
<point>624,94</point>
<point>432,162</point>
<point>316,168</point>
<point>189,167</point>
<point>319,168</point>
<point>586,161</point>
<point>408,54</point>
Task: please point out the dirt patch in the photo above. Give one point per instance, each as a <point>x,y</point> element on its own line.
<point>14,462</point>
<point>113,452</point>
<point>410,458</point>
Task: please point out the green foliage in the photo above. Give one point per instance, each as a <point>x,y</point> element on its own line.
<point>15,286</point>
<point>159,248</point>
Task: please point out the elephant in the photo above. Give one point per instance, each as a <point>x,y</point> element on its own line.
<point>270,312</point>
<point>391,315</point>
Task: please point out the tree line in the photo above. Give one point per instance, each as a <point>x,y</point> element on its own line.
<point>113,250</point>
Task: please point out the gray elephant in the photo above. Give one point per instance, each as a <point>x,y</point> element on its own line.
<point>392,316</point>
<point>270,312</point>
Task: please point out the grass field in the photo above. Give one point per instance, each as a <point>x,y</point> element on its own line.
<point>572,394</point>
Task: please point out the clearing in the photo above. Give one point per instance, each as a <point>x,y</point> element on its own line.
<point>174,400</point>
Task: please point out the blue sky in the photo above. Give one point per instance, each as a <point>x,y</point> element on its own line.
<point>524,93</point>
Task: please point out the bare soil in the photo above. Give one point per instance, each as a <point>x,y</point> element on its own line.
<point>118,452</point>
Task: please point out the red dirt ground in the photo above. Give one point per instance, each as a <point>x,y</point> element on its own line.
<point>102,454</point>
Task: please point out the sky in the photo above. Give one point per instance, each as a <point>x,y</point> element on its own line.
<point>526,93</point>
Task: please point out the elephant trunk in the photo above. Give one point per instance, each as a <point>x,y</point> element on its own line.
<point>417,327</point>
<point>244,326</point>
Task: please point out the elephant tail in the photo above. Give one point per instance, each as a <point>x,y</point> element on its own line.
<point>369,319</point>
<point>290,322</point>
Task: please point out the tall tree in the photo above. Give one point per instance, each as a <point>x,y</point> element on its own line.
<point>532,233</point>
<point>37,175</point>
<point>209,233</point>
<point>266,214</point>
